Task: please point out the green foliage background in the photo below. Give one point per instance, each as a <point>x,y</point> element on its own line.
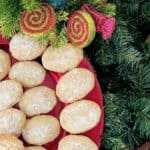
<point>122,63</point>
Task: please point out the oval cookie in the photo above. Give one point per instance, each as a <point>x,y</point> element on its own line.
<point>29,73</point>
<point>80,116</point>
<point>62,59</point>
<point>77,142</point>
<point>35,148</point>
<point>38,100</point>
<point>40,130</point>
<point>12,121</point>
<point>75,85</point>
<point>8,142</point>
<point>4,64</point>
<point>11,92</point>
<point>23,47</point>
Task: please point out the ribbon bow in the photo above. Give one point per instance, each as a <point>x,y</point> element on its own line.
<point>104,25</point>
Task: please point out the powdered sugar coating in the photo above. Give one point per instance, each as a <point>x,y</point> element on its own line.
<point>35,148</point>
<point>38,100</point>
<point>8,142</point>
<point>40,130</point>
<point>4,64</point>
<point>29,73</point>
<point>11,92</point>
<point>23,47</point>
<point>62,59</point>
<point>12,121</point>
<point>77,142</point>
<point>80,116</point>
<point>75,85</point>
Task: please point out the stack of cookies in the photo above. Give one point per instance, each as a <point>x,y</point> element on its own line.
<point>25,101</point>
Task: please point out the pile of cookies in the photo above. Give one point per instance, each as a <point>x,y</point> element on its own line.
<point>24,101</point>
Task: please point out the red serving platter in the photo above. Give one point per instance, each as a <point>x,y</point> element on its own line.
<point>95,95</point>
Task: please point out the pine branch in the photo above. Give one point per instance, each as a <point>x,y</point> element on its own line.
<point>61,16</point>
<point>30,5</point>
<point>109,9</point>
<point>132,7</point>
<point>53,36</point>
<point>10,17</point>
<point>122,38</point>
<point>145,13</point>
<point>131,136</point>
<point>116,118</point>
<point>127,119</point>
<point>61,38</point>
<point>116,144</point>
<point>141,115</point>
<point>138,76</point>
<point>44,39</point>
<point>142,75</point>
<point>129,56</point>
<point>102,6</point>
<point>115,111</point>
<point>105,54</point>
<point>73,5</point>
<point>147,50</point>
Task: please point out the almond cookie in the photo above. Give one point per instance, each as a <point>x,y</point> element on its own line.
<point>23,47</point>
<point>11,92</point>
<point>12,121</point>
<point>4,64</point>
<point>75,85</point>
<point>80,116</point>
<point>35,148</point>
<point>38,100</point>
<point>77,142</point>
<point>40,130</point>
<point>9,142</point>
<point>29,73</point>
<point>62,59</point>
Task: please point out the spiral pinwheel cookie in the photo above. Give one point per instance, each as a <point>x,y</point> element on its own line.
<point>75,85</point>
<point>38,21</point>
<point>77,142</point>
<point>38,100</point>
<point>40,130</point>
<point>11,92</point>
<point>28,73</point>
<point>12,121</point>
<point>62,59</point>
<point>81,29</point>
<point>23,47</point>
<point>35,148</point>
<point>9,142</point>
<point>80,116</point>
<point>4,64</point>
